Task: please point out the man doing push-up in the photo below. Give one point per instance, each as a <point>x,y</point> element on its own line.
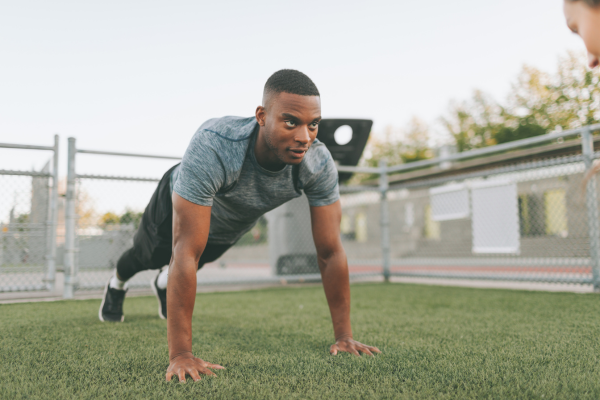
<point>234,171</point>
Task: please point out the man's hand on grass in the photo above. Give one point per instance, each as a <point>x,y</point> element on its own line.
<point>187,364</point>
<point>353,347</point>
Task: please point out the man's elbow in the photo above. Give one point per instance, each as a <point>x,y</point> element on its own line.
<point>331,255</point>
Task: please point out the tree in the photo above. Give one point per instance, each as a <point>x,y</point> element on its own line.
<point>401,146</point>
<point>475,123</point>
<point>398,146</point>
<point>84,208</point>
<point>537,104</point>
<point>567,100</point>
<point>131,217</point>
<point>109,219</point>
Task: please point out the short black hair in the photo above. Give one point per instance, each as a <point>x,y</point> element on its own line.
<point>290,81</point>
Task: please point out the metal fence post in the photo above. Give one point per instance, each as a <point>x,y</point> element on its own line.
<point>70,225</point>
<point>385,219</point>
<point>591,200</point>
<point>52,222</point>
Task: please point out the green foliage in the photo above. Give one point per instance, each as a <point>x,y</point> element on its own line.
<point>22,221</point>
<point>437,342</point>
<point>522,131</point>
<point>475,123</point>
<point>569,99</point>
<point>403,146</point>
<point>109,218</point>
<point>129,217</point>
<point>398,147</point>
<point>537,104</point>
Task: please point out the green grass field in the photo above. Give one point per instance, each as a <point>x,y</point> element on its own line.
<point>437,342</point>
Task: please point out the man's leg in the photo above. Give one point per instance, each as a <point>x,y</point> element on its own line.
<point>127,266</point>
<point>151,250</point>
<point>159,285</point>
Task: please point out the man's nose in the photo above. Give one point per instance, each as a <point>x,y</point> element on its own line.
<point>592,60</point>
<point>303,135</point>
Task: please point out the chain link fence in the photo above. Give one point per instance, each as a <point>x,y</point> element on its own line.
<point>28,224</point>
<point>360,230</point>
<point>527,220</point>
<point>108,211</point>
<point>465,215</point>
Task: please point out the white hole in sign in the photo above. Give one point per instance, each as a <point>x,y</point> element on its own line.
<point>343,135</point>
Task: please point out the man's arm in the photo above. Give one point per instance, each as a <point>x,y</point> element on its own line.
<point>334,272</point>
<point>191,223</point>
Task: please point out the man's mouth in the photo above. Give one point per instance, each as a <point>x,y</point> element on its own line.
<point>298,153</point>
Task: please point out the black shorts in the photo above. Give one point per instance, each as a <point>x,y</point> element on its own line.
<point>153,241</point>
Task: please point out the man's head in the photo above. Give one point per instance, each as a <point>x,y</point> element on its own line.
<point>288,118</point>
<point>583,18</point>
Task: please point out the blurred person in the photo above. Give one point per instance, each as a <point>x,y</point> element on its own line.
<point>583,19</point>
<point>234,171</point>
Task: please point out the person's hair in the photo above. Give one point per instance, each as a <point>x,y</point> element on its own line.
<point>591,3</point>
<point>289,81</point>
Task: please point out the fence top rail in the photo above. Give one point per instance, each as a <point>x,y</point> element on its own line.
<point>495,149</point>
<point>365,170</point>
<point>529,166</point>
<point>472,153</point>
<point>354,189</point>
<point>112,153</point>
<point>117,178</point>
<point>25,146</point>
<point>25,173</point>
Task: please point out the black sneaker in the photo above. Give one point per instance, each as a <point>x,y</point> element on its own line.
<point>161,295</point>
<point>111,308</point>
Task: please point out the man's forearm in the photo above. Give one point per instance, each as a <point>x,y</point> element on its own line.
<point>181,296</point>
<point>336,283</point>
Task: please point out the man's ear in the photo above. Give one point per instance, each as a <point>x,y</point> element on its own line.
<point>261,115</point>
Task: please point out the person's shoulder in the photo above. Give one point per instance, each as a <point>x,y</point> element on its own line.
<point>317,159</point>
<point>221,143</point>
<point>230,129</point>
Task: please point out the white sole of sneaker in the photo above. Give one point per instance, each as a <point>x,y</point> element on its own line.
<point>102,305</point>
<point>153,285</point>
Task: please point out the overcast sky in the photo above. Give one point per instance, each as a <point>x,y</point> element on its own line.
<point>141,76</point>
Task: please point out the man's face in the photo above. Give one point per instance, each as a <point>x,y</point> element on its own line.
<point>291,123</point>
<point>585,21</point>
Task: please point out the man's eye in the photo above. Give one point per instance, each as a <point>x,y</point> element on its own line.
<point>314,124</point>
<point>291,124</point>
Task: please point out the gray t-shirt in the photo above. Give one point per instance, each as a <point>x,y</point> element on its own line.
<point>219,169</point>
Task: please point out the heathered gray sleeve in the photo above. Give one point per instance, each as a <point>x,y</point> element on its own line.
<point>321,178</point>
<point>201,173</point>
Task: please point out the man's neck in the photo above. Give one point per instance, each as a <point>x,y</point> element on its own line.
<point>264,155</point>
